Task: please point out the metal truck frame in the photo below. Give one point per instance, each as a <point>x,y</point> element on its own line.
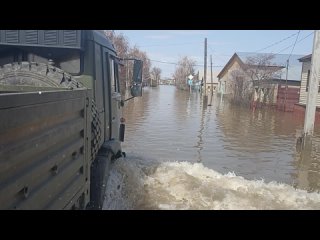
<point>60,123</point>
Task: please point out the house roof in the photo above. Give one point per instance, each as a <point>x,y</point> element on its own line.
<point>305,58</point>
<point>280,60</point>
<point>234,56</point>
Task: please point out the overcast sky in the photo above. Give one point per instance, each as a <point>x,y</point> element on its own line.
<point>169,45</point>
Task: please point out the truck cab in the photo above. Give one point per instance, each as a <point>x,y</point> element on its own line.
<point>63,65</point>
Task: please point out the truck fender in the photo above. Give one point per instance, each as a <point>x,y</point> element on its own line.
<point>112,146</point>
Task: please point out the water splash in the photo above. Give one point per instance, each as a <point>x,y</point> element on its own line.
<point>137,183</point>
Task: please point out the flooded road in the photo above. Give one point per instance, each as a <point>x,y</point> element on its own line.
<point>183,155</point>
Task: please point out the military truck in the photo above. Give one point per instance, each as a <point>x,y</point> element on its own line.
<point>60,125</point>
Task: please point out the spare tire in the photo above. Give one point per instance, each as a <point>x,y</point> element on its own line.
<point>44,75</point>
<point>37,75</point>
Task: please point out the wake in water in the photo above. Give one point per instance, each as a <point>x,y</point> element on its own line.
<point>139,184</point>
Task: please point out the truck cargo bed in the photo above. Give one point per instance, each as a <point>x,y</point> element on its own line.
<point>44,149</point>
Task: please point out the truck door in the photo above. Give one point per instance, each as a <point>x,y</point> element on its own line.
<point>115,98</point>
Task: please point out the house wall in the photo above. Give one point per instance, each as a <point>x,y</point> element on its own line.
<point>300,110</point>
<point>225,82</point>
<point>277,95</point>
<point>303,93</point>
<point>213,86</point>
<point>271,89</point>
<point>287,97</point>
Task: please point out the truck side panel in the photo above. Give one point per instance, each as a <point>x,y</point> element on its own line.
<point>44,149</point>
<point>44,38</point>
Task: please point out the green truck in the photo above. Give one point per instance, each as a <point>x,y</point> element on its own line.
<point>60,118</point>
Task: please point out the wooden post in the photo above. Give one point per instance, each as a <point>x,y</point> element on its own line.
<point>205,67</point>
<point>313,87</point>
<point>205,97</point>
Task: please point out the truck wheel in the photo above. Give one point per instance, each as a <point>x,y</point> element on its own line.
<point>36,75</point>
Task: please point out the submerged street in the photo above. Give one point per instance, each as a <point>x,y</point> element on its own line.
<point>182,155</point>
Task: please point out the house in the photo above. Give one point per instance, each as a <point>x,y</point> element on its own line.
<point>166,81</point>
<point>259,77</point>
<point>210,86</point>
<point>305,78</point>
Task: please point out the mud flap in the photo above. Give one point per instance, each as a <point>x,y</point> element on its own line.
<point>98,181</point>
<point>100,171</point>
<point>121,132</point>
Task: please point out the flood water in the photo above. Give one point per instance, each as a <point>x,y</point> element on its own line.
<point>182,154</point>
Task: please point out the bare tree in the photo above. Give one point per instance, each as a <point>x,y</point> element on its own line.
<point>185,67</point>
<point>247,82</point>
<point>260,67</point>
<point>241,87</point>
<point>155,76</point>
<point>121,44</point>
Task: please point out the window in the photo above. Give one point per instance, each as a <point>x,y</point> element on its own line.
<point>113,82</point>
<point>308,82</point>
<point>308,79</point>
<point>114,76</point>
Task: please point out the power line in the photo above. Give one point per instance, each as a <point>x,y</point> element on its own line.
<point>278,42</point>
<point>271,45</point>
<point>202,65</point>
<point>293,44</point>
<point>210,48</point>
<point>174,44</point>
<point>217,55</point>
<point>197,65</point>
<point>285,98</point>
<point>227,55</point>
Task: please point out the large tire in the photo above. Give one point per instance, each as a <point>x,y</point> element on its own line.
<point>37,75</point>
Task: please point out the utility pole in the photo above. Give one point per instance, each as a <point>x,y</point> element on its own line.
<point>286,87</point>
<point>205,98</point>
<point>127,79</point>
<point>200,87</point>
<point>211,77</point>
<point>313,89</point>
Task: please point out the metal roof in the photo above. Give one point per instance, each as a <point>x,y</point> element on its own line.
<point>305,58</point>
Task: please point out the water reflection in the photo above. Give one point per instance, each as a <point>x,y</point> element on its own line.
<point>199,137</point>
<point>308,167</point>
<point>174,125</point>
